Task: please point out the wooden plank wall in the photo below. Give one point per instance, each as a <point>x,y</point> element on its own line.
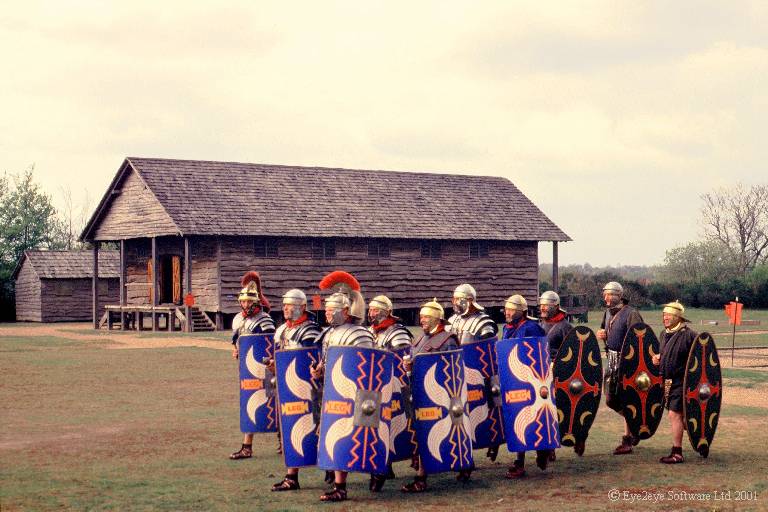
<point>407,278</point>
<point>27,294</point>
<point>69,300</point>
<point>135,211</point>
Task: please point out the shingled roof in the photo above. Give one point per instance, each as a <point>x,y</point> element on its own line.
<point>214,198</point>
<point>70,264</point>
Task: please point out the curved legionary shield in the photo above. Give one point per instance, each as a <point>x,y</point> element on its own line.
<point>527,391</point>
<point>354,426</point>
<point>297,393</point>
<point>441,411</point>
<point>481,373</point>
<point>578,375</point>
<point>257,384</point>
<point>641,387</point>
<point>702,393</point>
<point>401,432</point>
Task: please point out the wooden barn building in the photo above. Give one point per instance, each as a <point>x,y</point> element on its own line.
<point>412,236</point>
<point>57,286</point>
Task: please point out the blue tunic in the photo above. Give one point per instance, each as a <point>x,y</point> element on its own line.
<point>528,329</point>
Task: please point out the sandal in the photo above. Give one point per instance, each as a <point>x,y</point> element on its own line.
<point>542,459</point>
<point>329,477</point>
<point>288,484</point>
<point>675,457</point>
<point>246,452</point>
<point>419,484</point>
<point>464,475</point>
<point>335,494</point>
<point>515,471</point>
<point>377,483</point>
<point>492,453</point>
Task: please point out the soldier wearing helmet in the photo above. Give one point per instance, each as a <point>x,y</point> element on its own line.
<point>554,321</point>
<point>253,319</point>
<point>299,330</point>
<point>519,325</point>
<point>619,316</point>
<point>344,312</point>
<point>676,342</point>
<point>390,334</point>
<point>435,338</point>
<point>469,321</point>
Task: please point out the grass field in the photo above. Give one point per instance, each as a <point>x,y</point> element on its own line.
<point>87,427</point>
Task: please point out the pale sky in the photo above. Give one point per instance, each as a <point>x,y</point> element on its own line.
<point>613,117</point>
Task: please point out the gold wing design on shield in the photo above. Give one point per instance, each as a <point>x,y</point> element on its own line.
<point>386,398</point>
<point>299,387</point>
<point>259,397</point>
<point>528,413</point>
<point>399,422</point>
<point>306,424</point>
<point>466,421</point>
<point>442,428</point>
<point>479,413</point>
<point>343,426</point>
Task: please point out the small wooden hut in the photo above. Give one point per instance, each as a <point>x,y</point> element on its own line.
<point>192,228</point>
<point>56,286</point>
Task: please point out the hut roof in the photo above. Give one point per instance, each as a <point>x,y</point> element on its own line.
<point>70,264</point>
<point>228,198</point>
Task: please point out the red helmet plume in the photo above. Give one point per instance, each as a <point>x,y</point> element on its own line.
<point>339,277</point>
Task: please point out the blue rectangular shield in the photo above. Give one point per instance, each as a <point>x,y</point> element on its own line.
<point>403,437</point>
<point>297,392</point>
<point>355,420</point>
<point>527,393</point>
<point>483,392</point>
<point>441,412</point>
<point>257,387</point>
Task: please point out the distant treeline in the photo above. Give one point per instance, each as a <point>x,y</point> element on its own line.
<point>651,286</point>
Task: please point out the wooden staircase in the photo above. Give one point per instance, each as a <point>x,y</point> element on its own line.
<point>200,321</point>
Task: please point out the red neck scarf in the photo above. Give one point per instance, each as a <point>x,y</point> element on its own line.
<point>387,322</point>
<point>558,317</point>
<point>513,325</point>
<point>293,323</point>
<point>256,309</point>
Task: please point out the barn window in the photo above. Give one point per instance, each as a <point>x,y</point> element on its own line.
<point>323,249</point>
<point>431,249</point>
<point>478,249</point>
<point>378,248</point>
<point>265,248</point>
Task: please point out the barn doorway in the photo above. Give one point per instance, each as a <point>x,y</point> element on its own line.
<point>169,285</point>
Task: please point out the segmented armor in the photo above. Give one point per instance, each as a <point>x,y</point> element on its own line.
<point>393,337</point>
<point>477,325</point>
<point>260,323</point>
<point>302,335</point>
<point>346,335</point>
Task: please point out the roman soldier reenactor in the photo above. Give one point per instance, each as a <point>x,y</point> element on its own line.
<point>344,312</point>
<point>470,322</point>
<point>299,330</point>
<point>675,342</point>
<point>435,338</point>
<point>253,319</point>
<point>390,334</point>
<point>519,325</point>
<point>619,316</point>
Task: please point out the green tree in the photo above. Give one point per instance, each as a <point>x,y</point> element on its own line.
<point>27,221</point>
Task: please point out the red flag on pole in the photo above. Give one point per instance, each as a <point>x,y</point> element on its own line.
<point>733,311</point>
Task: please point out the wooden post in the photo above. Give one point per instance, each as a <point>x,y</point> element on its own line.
<point>154,282</point>
<point>219,316</point>
<point>187,282</point>
<point>95,285</point>
<point>122,285</point>
<point>555,269</point>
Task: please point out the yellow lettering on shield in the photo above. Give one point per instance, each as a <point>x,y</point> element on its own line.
<point>429,413</point>
<point>520,395</point>
<point>292,408</point>
<point>475,395</point>
<point>251,384</point>
<point>396,405</point>
<point>338,407</point>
